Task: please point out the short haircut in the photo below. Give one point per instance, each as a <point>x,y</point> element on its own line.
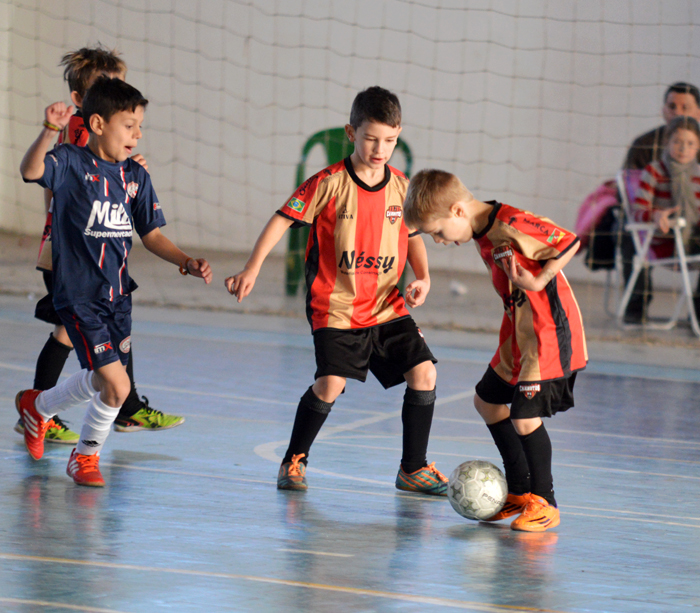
<point>681,123</point>
<point>107,97</point>
<point>82,65</point>
<point>376,104</point>
<point>430,195</point>
<point>683,88</point>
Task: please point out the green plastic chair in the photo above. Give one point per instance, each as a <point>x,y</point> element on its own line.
<point>337,147</point>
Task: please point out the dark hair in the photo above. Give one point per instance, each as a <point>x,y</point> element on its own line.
<point>109,96</point>
<point>681,123</point>
<point>82,65</point>
<point>375,104</point>
<point>683,88</point>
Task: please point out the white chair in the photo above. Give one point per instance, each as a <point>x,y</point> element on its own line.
<point>642,235</point>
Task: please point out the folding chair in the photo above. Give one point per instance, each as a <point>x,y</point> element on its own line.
<point>643,234</point>
<point>337,147</point>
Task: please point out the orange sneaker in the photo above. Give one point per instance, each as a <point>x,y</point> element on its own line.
<point>537,516</point>
<point>515,503</point>
<point>34,425</point>
<point>292,475</point>
<point>85,469</point>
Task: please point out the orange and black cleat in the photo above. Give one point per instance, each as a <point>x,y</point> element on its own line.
<point>537,516</point>
<point>515,503</point>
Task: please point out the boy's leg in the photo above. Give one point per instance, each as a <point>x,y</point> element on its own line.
<point>311,414</point>
<point>136,413</point>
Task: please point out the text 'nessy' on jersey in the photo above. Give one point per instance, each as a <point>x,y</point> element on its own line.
<point>357,246</point>
<point>97,205</point>
<point>542,336</point>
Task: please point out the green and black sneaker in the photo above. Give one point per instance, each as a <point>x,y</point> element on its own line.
<point>58,432</point>
<point>148,419</point>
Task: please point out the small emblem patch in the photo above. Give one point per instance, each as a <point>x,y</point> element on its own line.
<point>132,188</point>
<point>101,348</point>
<point>125,345</point>
<point>393,213</point>
<point>556,236</point>
<point>296,205</point>
<point>529,390</point>
<point>504,251</point>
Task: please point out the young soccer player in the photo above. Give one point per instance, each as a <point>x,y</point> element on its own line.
<point>81,68</point>
<point>357,249</point>
<point>541,344</point>
<point>100,197</point>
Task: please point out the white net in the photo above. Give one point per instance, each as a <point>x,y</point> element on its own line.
<point>532,102</point>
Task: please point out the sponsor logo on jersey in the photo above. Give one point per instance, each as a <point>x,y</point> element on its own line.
<point>503,251</point>
<point>529,390</point>
<point>132,188</point>
<point>393,213</point>
<point>344,214</point>
<point>383,263</point>
<point>125,345</point>
<point>90,178</point>
<point>112,218</point>
<point>102,347</point>
<point>556,236</point>
<point>535,223</point>
<point>296,205</point>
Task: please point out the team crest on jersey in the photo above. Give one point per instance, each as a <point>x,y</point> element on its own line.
<point>393,213</point>
<point>90,178</point>
<point>296,205</point>
<point>125,345</point>
<point>529,390</point>
<point>102,347</point>
<point>556,236</point>
<point>132,188</point>
<point>502,251</point>
<point>156,206</point>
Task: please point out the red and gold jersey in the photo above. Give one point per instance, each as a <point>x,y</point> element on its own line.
<point>357,246</point>
<point>542,335</point>
<point>74,134</point>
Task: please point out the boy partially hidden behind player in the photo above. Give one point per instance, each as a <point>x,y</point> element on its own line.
<point>356,253</point>
<point>542,342</point>
<point>100,197</point>
<point>81,68</point>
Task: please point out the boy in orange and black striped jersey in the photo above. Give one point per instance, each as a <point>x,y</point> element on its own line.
<point>357,250</point>
<point>542,343</point>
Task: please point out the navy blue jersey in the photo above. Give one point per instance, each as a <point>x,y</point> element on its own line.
<point>97,205</point>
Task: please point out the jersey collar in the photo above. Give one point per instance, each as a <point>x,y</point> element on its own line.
<point>362,184</point>
<point>492,217</point>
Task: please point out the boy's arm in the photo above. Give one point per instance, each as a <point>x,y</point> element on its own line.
<point>32,166</point>
<point>242,284</point>
<point>159,244</point>
<point>525,280</point>
<point>417,291</point>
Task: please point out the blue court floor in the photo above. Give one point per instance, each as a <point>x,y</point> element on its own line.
<point>191,519</point>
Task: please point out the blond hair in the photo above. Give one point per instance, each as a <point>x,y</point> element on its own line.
<point>430,194</point>
<point>81,66</point>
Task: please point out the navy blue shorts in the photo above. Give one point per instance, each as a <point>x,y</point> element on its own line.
<point>100,331</point>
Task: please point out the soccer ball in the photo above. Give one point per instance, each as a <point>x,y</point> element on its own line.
<point>477,489</point>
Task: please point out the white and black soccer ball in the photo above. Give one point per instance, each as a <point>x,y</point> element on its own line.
<point>477,489</point>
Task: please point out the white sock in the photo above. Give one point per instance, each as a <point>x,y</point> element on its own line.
<point>98,421</point>
<point>69,393</point>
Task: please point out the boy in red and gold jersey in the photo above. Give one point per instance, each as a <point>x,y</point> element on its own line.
<point>357,250</point>
<point>542,343</point>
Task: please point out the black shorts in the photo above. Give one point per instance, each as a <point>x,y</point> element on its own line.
<point>528,399</point>
<point>388,351</point>
<point>45,310</point>
<point>100,331</point>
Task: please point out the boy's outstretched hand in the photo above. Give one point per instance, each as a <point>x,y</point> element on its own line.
<point>58,114</point>
<point>200,268</point>
<point>241,285</point>
<point>416,293</point>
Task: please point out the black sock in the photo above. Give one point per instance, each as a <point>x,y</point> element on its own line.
<point>50,363</point>
<point>417,417</point>
<point>538,450</point>
<point>311,415</point>
<point>514,460</point>
<point>133,403</point>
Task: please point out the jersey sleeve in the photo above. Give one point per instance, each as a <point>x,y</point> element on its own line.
<point>644,197</point>
<point>145,208</point>
<point>302,206</point>
<point>539,238</point>
<point>56,165</point>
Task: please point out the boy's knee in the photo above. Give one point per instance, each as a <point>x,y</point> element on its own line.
<point>491,413</point>
<point>422,377</point>
<point>328,388</point>
<point>113,384</point>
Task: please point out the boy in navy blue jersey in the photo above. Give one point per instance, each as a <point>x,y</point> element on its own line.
<point>100,197</point>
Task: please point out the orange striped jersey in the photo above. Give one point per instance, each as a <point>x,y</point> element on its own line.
<point>357,246</point>
<point>541,335</point>
<point>75,134</point>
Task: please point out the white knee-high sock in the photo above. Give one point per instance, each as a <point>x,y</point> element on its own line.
<point>69,393</point>
<point>98,421</point>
